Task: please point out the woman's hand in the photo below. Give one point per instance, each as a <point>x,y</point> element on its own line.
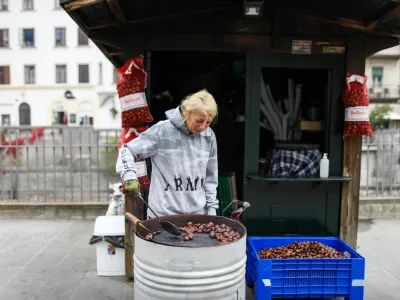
<point>132,186</point>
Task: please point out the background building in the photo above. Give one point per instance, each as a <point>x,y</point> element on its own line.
<point>50,73</point>
<point>383,71</point>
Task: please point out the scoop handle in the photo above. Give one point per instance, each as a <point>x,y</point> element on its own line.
<point>141,198</point>
<point>131,218</point>
<point>135,221</point>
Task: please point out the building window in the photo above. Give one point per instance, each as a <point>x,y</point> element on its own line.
<point>24,114</point>
<point>57,4</point>
<point>60,37</point>
<point>61,74</point>
<point>4,74</point>
<point>83,40</point>
<point>29,74</point>
<point>28,38</point>
<point>4,39</point>
<point>377,76</point>
<point>83,73</point>
<point>72,118</point>
<point>3,5</point>
<point>5,120</point>
<point>27,5</point>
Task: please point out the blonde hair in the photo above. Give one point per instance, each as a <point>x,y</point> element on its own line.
<point>201,101</point>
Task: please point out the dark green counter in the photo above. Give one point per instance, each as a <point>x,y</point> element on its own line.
<point>291,206</point>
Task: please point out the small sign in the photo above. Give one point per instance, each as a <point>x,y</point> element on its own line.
<point>301,47</point>
<point>111,250</point>
<point>333,49</point>
<point>141,169</point>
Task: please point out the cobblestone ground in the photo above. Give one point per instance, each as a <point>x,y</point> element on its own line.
<point>51,260</point>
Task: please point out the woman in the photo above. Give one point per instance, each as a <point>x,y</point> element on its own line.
<point>183,151</point>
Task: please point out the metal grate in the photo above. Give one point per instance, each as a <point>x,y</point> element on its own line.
<point>63,164</point>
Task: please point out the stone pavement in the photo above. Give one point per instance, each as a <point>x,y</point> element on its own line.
<point>379,243</point>
<point>52,260</point>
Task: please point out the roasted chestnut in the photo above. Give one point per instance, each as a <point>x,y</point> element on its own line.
<point>301,250</point>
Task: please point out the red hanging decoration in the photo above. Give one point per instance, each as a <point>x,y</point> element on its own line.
<point>129,134</point>
<point>356,102</point>
<point>10,147</point>
<point>131,84</point>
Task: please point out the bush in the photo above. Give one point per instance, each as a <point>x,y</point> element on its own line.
<point>378,115</point>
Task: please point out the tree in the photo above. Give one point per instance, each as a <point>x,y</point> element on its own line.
<point>379,114</point>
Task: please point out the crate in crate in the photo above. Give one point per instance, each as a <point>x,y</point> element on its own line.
<point>304,278</point>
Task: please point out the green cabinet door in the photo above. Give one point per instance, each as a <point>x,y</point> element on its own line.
<point>296,207</point>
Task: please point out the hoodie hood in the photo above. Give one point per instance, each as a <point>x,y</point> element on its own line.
<point>175,116</point>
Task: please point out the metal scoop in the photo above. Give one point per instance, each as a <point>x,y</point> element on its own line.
<point>167,226</point>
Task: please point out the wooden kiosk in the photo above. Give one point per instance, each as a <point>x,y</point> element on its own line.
<point>306,40</point>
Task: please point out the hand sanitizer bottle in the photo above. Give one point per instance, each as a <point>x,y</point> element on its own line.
<point>324,167</point>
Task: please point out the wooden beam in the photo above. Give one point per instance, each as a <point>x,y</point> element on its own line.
<point>384,18</point>
<point>76,4</point>
<point>313,16</point>
<point>164,17</point>
<point>344,22</point>
<point>356,50</point>
<point>117,11</point>
<point>116,53</point>
<point>375,45</point>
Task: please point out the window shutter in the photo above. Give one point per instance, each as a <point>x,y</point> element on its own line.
<point>82,38</point>
<point>6,70</point>
<point>6,38</point>
<point>84,74</point>
<point>26,75</point>
<point>64,74</point>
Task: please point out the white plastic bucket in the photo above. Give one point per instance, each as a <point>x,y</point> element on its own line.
<point>110,259</point>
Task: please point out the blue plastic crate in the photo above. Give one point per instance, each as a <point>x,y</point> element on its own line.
<point>304,278</point>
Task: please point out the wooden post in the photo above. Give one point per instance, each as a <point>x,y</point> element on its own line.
<point>129,238</point>
<point>136,208</point>
<point>356,55</point>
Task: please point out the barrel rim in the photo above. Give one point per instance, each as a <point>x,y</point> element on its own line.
<point>181,220</point>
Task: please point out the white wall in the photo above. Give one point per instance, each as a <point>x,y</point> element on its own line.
<point>44,19</point>
<point>389,59</point>
<point>391,70</point>
<point>106,120</point>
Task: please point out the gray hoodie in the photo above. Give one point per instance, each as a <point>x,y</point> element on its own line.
<point>184,175</point>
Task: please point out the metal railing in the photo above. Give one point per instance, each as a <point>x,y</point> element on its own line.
<point>77,164</point>
<point>380,165</point>
<point>57,164</point>
<point>385,91</point>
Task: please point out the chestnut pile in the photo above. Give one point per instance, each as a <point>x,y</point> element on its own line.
<point>301,250</point>
<point>224,234</point>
